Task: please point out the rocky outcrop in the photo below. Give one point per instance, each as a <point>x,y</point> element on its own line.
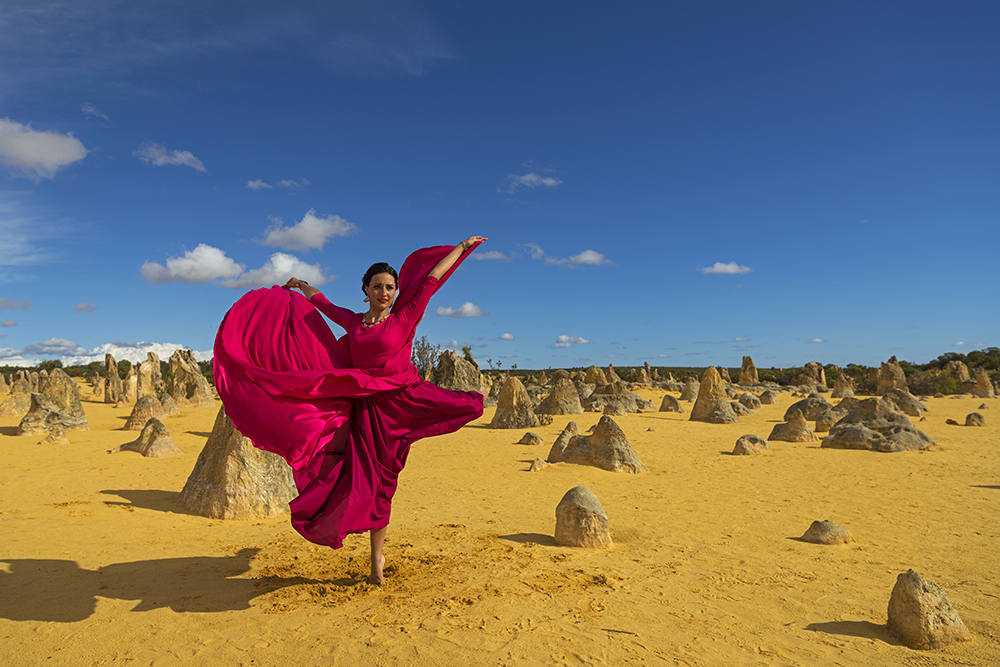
<point>748,372</point>
<point>712,405</point>
<point>153,442</point>
<point>813,375</point>
<point>21,384</point>
<point>4,388</point>
<point>15,405</point>
<point>606,448</point>
<point>827,532</point>
<point>514,407</point>
<point>130,385</point>
<point>112,381</point>
<point>581,521</point>
<point>456,373</point>
<point>563,400</point>
<point>812,407</point>
<point>531,439</point>
<point>975,419</point>
<point>188,386</point>
<point>617,397</point>
<point>690,391</point>
<point>795,429</point>
<point>921,615</point>
<point>56,406</point>
<point>843,387</point>
<point>750,401</point>
<point>958,370</point>
<point>768,397</point>
<point>750,444</point>
<point>877,425</point>
<point>890,374</point>
<point>234,480</point>
<point>144,409</point>
<point>595,376</point>
<point>983,388</point>
<point>905,402</point>
<point>149,377</point>
<point>611,376</point>
<point>671,404</point>
<point>56,436</point>
<point>555,453</point>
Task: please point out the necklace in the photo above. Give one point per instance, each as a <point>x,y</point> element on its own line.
<point>368,325</point>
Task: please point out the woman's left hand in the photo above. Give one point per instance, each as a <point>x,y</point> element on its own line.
<point>471,241</point>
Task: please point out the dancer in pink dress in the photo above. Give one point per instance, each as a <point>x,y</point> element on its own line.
<point>342,411</point>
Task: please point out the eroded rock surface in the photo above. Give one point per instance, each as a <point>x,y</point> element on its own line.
<point>56,406</point>
<point>750,444</point>
<point>877,425</point>
<point>606,448</point>
<point>456,373</point>
<point>514,407</point>
<point>564,399</point>
<point>188,386</point>
<point>670,404</point>
<point>748,373</point>
<point>827,532</point>
<point>153,442</point>
<point>581,521</point>
<point>921,614</point>
<point>796,429</point>
<point>712,405</point>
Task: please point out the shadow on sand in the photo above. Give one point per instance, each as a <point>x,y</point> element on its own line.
<point>864,629</point>
<point>60,591</point>
<point>535,538</point>
<point>149,499</point>
<point>8,430</point>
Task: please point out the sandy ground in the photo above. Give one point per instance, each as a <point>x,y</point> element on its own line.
<point>99,567</point>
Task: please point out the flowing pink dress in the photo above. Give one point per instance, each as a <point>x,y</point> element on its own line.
<point>291,386</point>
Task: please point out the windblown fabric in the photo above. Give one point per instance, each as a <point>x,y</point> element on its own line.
<point>342,411</point>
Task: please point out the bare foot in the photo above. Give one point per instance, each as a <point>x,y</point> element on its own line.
<point>376,578</point>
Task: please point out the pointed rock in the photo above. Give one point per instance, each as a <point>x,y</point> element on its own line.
<point>797,429</point>
<point>514,407</point>
<point>188,386</point>
<point>456,373</point>
<point>56,406</point>
<point>153,442</point>
<point>144,409</point>
<point>921,614</point>
<point>748,373</point>
<point>890,374</point>
<point>556,452</point>
<point>112,381</point>
<point>606,448</point>
<point>712,404</point>
<point>690,391</point>
<point>564,400</point>
<point>983,388</point>
<point>671,404</point>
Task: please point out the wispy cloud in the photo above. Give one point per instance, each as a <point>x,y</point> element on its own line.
<point>8,323</point>
<point>531,179</point>
<point>35,155</point>
<point>90,111</point>
<point>157,155</point>
<point>585,258</point>
<point>312,231</point>
<point>285,183</point>
<point>84,308</point>
<point>507,336</point>
<point>731,268</point>
<point>467,309</point>
<point>56,347</point>
<point>259,185</point>
<point>816,340</point>
<point>493,255</point>
<point>9,303</point>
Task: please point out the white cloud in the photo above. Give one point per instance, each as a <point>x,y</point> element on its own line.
<point>3,335</point>
<point>585,258</point>
<point>258,185</point>
<point>204,264</point>
<point>726,269</point>
<point>8,323</point>
<point>56,347</point>
<point>507,336</point>
<point>7,303</point>
<point>312,231</point>
<point>740,339</point>
<point>493,254</point>
<point>285,183</point>
<point>90,111</point>
<point>816,340</point>
<point>277,270</point>
<point>85,307</point>
<point>530,180</point>
<point>158,156</point>
<point>35,155</point>
<point>467,309</point>
<point>569,341</point>
<point>450,344</point>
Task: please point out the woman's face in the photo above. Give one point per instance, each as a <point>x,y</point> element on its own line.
<point>381,291</point>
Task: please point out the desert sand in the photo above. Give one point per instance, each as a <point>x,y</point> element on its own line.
<point>99,567</point>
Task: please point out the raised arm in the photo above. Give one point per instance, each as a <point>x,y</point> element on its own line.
<point>307,289</point>
<point>449,260</point>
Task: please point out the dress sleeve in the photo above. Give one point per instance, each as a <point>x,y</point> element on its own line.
<point>412,311</point>
<point>338,315</point>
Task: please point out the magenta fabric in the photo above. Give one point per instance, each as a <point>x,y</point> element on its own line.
<point>295,389</point>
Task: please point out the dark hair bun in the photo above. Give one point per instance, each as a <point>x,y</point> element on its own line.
<point>374,270</point>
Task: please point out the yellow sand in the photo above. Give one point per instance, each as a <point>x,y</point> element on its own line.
<point>100,568</point>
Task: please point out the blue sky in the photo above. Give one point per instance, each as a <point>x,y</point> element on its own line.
<point>675,182</point>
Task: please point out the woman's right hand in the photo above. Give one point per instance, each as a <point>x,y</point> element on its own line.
<point>308,290</point>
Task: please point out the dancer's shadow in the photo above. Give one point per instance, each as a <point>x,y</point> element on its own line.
<point>864,629</point>
<point>60,591</point>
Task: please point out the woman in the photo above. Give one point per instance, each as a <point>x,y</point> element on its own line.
<point>343,412</point>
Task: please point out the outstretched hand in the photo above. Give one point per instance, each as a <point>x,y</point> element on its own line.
<point>471,241</point>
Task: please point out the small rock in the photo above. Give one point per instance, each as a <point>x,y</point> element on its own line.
<point>56,436</point>
<point>983,407</point>
<point>827,532</point>
<point>952,422</point>
<point>650,429</point>
<point>975,419</point>
<point>581,521</point>
<point>530,438</point>
<point>796,429</point>
<point>539,464</point>
<point>750,444</point>
<point>671,404</point>
<point>768,397</point>
<point>921,614</point>
<point>153,442</point>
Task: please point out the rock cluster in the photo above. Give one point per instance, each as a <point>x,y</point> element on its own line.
<point>595,376</point>
<point>234,480</point>
<point>581,521</point>
<point>188,386</point>
<point>843,387</point>
<point>827,532</point>
<point>876,425</point>
<point>748,372</point>
<point>456,373</point>
<point>615,398</point>
<point>921,614</point>
<point>712,404</point>
<point>605,448</point>
<point>153,442</point>
<point>56,406</point>
<point>514,407</point>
